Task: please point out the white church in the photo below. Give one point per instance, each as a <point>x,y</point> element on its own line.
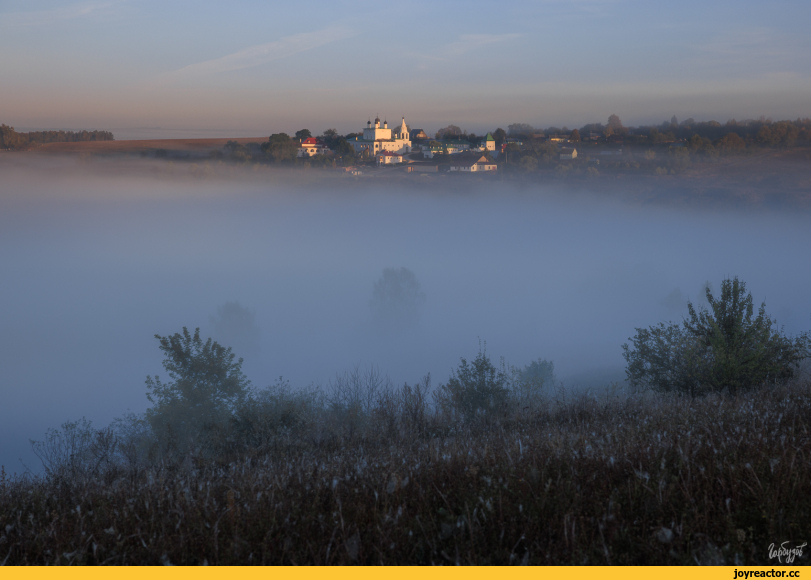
<point>377,139</point>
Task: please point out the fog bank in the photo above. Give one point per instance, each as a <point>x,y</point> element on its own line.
<point>93,266</point>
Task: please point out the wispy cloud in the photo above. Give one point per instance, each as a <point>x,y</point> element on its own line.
<point>749,45</point>
<point>464,44</point>
<point>263,53</point>
<point>468,42</point>
<point>45,17</point>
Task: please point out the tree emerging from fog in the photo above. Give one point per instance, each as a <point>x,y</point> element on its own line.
<point>722,348</point>
<point>397,299</point>
<point>235,325</point>
<point>206,387</point>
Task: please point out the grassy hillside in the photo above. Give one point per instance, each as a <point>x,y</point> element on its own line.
<point>613,479</point>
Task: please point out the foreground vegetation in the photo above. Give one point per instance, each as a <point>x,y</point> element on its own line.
<point>705,461</point>
<point>619,479</point>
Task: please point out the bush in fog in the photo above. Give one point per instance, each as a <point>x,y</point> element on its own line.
<point>273,416</point>
<point>235,325</point>
<point>352,396</point>
<point>205,389</point>
<point>397,299</point>
<point>720,348</point>
<point>476,390</point>
<point>531,380</point>
<point>135,444</point>
<point>76,450</point>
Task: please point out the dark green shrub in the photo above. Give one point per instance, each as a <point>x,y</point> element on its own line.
<point>476,390</point>
<point>720,348</point>
<point>272,417</point>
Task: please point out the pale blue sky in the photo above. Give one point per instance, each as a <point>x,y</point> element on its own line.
<point>260,67</point>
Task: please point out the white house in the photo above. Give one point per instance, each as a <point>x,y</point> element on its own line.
<point>429,151</point>
<point>387,158</point>
<point>376,139</point>
<point>311,146</point>
<point>568,153</point>
<point>466,163</point>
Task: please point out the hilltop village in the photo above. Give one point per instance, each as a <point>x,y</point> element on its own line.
<point>672,148</point>
<point>666,149</point>
<point>412,149</point>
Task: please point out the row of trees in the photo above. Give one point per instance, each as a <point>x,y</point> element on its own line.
<point>734,136</point>
<point>208,410</point>
<point>282,148</point>
<point>763,131</point>
<point>11,139</point>
<point>453,132</point>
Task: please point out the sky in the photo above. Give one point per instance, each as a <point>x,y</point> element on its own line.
<point>255,67</point>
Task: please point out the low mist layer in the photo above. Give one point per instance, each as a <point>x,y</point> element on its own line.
<point>95,264</point>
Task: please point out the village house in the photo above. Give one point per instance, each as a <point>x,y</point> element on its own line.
<point>469,163</point>
<point>310,147</point>
<point>428,151</point>
<point>568,153</point>
<point>421,167</point>
<point>376,139</point>
<point>387,158</point>
<point>418,135</point>
<point>456,145</point>
<point>449,146</point>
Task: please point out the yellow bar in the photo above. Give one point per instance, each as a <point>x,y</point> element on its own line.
<point>404,572</point>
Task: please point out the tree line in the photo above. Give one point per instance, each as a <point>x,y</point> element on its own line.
<point>763,131</point>
<point>281,148</point>
<point>11,139</point>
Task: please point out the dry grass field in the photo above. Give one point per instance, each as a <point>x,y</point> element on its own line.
<point>611,479</point>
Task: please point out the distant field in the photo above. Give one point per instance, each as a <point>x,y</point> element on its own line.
<point>138,145</point>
